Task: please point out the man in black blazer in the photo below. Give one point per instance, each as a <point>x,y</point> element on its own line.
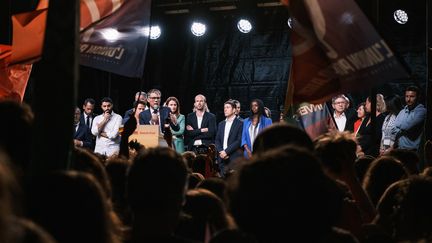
<point>139,96</point>
<point>228,139</point>
<point>157,115</point>
<point>82,135</point>
<point>87,116</point>
<point>200,125</point>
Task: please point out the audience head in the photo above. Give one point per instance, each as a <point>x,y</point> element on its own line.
<point>281,134</point>
<point>337,151</point>
<point>287,185</point>
<point>361,165</point>
<point>427,172</point>
<point>72,207</point>
<point>215,185</point>
<point>86,161</point>
<point>157,181</point>
<point>8,188</point>
<point>408,158</point>
<point>199,164</point>
<point>207,210</point>
<point>17,124</point>
<point>195,180</point>
<point>404,210</point>
<point>189,156</point>
<point>381,174</point>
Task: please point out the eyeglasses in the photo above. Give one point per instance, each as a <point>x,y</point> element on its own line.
<point>340,103</point>
<point>155,98</point>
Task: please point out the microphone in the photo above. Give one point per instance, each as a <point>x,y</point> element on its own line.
<point>155,108</point>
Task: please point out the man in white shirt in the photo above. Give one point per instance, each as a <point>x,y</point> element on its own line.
<point>228,139</point>
<point>343,117</point>
<point>106,129</point>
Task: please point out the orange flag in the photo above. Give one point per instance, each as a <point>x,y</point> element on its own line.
<point>13,78</point>
<point>27,42</point>
<point>28,36</point>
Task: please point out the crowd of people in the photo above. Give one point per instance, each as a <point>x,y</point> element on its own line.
<point>232,137</point>
<point>241,180</point>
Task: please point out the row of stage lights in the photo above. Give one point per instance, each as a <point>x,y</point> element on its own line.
<point>154,32</point>
<point>199,29</point>
<point>243,25</point>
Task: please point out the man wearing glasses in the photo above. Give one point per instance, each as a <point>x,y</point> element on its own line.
<point>157,115</point>
<point>343,116</point>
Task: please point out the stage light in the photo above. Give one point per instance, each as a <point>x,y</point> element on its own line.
<point>198,29</point>
<point>400,16</point>
<point>244,26</point>
<point>110,34</point>
<point>155,32</point>
<point>289,22</point>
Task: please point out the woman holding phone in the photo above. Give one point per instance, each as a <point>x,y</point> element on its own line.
<point>178,140</point>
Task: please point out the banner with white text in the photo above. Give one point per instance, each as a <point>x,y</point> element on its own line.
<point>315,119</point>
<point>118,43</point>
<point>336,50</point>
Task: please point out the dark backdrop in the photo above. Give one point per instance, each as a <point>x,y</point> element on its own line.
<point>228,64</point>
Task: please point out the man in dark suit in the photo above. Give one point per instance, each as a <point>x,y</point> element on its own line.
<point>238,108</point>
<point>139,96</point>
<point>200,125</point>
<point>87,117</point>
<point>82,136</point>
<point>88,114</point>
<point>228,139</point>
<point>157,115</point>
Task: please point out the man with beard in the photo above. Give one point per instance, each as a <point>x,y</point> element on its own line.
<point>106,129</point>
<point>200,125</point>
<point>408,125</point>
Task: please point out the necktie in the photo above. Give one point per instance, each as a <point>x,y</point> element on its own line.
<point>155,112</point>
<point>88,122</point>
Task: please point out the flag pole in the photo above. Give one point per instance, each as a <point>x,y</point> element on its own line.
<point>55,85</point>
<point>428,129</point>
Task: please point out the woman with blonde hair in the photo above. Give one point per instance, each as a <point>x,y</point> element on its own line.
<point>178,138</point>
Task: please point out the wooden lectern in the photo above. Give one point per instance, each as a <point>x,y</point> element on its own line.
<point>149,136</point>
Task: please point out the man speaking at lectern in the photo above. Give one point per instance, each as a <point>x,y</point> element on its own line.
<point>157,115</point>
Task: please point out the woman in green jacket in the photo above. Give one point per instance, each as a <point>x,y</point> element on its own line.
<point>178,140</point>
